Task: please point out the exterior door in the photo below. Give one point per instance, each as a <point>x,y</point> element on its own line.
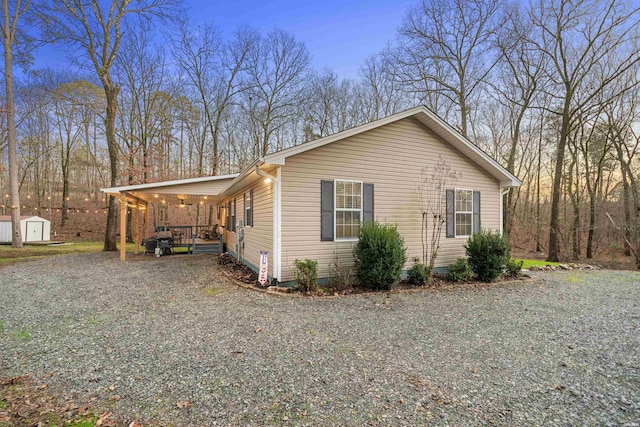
<point>35,231</point>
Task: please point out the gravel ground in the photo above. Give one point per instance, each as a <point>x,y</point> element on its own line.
<point>138,337</point>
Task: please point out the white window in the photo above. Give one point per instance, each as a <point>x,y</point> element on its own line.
<point>248,208</point>
<point>348,209</point>
<point>464,213</point>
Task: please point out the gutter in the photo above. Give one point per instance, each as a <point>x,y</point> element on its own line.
<point>277,218</point>
<point>503,192</point>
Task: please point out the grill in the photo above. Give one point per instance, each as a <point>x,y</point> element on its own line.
<point>160,243</point>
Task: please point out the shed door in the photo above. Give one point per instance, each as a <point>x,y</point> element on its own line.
<point>35,231</point>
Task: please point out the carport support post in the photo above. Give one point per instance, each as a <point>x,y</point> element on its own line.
<point>146,220</point>
<point>136,227</point>
<point>123,226</point>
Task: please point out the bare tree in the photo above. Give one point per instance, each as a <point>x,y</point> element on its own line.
<point>276,76</point>
<point>97,31</point>
<point>519,77</point>
<point>379,93</point>
<point>9,32</point>
<point>432,187</point>
<point>578,37</point>
<point>446,47</point>
<point>330,105</point>
<point>214,68</point>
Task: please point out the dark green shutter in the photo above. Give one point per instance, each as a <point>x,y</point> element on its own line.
<point>326,211</point>
<point>451,213</point>
<point>476,211</point>
<point>251,208</point>
<point>235,214</point>
<point>367,203</point>
<point>228,216</point>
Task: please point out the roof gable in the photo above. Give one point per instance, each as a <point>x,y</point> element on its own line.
<point>430,120</point>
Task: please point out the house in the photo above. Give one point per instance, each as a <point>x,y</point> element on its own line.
<point>308,201</point>
<point>32,229</point>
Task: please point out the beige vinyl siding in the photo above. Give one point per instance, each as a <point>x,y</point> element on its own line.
<point>260,236</point>
<point>391,157</point>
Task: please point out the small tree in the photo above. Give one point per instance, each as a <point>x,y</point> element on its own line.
<point>432,187</point>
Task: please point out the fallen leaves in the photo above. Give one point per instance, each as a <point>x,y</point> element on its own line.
<point>25,403</point>
<point>183,404</point>
<point>105,420</point>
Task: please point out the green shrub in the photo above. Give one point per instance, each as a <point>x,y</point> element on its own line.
<point>459,271</point>
<point>513,268</point>
<point>418,273</point>
<point>379,256</point>
<point>306,275</point>
<point>488,252</point>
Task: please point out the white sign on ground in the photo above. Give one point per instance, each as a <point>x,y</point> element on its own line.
<point>262,275</point>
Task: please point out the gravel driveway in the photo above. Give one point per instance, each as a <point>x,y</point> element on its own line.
<point>137,338</point>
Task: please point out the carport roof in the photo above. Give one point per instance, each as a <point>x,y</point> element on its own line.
<point>190,190</point>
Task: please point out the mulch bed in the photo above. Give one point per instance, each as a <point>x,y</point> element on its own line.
<point>248,278</point>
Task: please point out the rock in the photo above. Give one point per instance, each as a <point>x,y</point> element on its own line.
<point>565,267</point>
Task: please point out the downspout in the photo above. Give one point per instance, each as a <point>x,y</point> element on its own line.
<point>503,192</point>
<point>276,219</point>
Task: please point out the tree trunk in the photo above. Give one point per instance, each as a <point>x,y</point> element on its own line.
<point>111,93</point>
<point>626,201</point>
<point>14,190</point>
<point>592,224</point>
<point>554,224</point>
<point>65,194</point>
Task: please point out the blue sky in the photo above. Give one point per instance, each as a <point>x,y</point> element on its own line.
<point>340,34</point>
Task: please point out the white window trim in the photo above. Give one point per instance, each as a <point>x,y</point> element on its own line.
<point>455,212</point>
<point>244,202</point>
<point>336,209</point>
<point>232,208</point>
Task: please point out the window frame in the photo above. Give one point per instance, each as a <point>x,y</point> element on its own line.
<point>232,215</point>
<point>248,208</point>
<point>336,209</point>
<point>456,212</point>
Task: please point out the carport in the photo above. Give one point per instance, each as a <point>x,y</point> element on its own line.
<point>177,192</point>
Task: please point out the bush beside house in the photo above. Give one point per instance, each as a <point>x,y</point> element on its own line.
<point>379,256</point>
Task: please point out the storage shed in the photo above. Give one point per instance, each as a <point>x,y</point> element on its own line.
<point>32,228</point>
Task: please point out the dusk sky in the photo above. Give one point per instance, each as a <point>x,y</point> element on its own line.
<point>339,34</point>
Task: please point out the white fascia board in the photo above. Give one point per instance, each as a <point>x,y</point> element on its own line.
<point>239,177</point>
<point>114,190</point>
<point>453,136</point>
<point>511,179</point>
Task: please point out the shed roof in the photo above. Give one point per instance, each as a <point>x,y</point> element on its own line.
<point>7,218</point>
<point>175,191</point>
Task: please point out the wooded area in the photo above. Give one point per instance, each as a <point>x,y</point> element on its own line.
<point>548,88</point>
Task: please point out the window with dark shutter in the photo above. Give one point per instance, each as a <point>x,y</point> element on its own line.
<point>326,210</point>
<point>233,216</point>
<point>463,212</point>
<point>367,203</point>
<point>476,211</point>
<point>451,213</point>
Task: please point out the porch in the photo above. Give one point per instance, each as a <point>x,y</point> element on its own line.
<point>185,239</point>
<point>189,238</point>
